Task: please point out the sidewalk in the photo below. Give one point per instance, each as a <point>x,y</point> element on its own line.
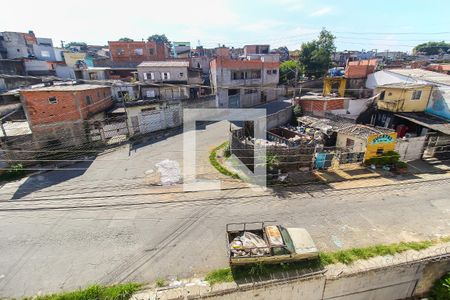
<point>356,176</point>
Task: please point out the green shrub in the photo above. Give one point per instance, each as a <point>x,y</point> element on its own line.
<point>298,111</point>
<point>160,282</point>
<point>441,288</point>
<point>15,171</point>
<point>227,151</point>
<point>96,292</point>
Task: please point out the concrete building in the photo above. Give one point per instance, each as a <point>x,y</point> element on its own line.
<point>244,82</point>
<point>359,138</point>
<point>181,49</point>
<point>163,71</point>
<point>403,97</point>
<point>12,66</point>
<point>72,58</point>
<point>130,54</point>
<point>26,45</point>
<point>256,49</point>
<point>439,103</point>
<point>58,115</point>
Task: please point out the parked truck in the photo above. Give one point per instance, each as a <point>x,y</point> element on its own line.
<point>256,242</point>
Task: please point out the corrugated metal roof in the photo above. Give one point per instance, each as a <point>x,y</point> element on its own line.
<point>363,130</point>
<point>164,64</point>
<point>425,75</point>
<point>77,87</point>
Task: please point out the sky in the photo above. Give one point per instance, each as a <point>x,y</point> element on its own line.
<point>382,25</point>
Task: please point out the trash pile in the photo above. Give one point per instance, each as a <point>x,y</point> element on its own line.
<point>169,171</point>
<point>249,244</point>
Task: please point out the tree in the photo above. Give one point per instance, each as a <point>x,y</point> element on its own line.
<point>126,39</point>
<point>283,52</point>
<point>160,38</point>
<point>315,56</point>
<point>288,71</point>
<point>82,45</point>
<point>432,48</point>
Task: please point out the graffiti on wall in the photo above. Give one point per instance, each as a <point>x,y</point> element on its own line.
<point>439,103</point>
<point>378,144</point>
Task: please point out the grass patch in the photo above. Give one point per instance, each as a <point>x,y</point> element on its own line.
<point>95,292</point>
<point>346,257</point>
<point>160,282</point>
<point>216,164</point>
<point>219,275</point>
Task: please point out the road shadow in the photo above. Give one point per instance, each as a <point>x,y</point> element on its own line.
<point>143,140</point>
<point>285,191</point>
<point>43,180</point>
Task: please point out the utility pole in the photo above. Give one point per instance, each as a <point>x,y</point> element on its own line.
<point>295,82</point>
<point>62,44</point>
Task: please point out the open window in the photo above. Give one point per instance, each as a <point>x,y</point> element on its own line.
<point>52,100</point>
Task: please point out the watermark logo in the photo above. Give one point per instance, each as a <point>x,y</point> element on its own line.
<point>257,178</point>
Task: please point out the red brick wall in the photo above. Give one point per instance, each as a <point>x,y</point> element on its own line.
<point>129,55</point>
<point>71,105</point>
<point>321,105</point>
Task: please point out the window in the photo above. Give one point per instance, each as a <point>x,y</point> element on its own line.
<point>274,72</point>
<point>45,53</point>
<point>269,72</point>
<point>416,95</point>
<point>380,151</point>
<point>181,74</point>
<point>88,100</point>
<point>120,51</point>
<point>151,51</point>
<point>250,91</point>
<point>165,75</point>
<point>254,74</point>
<point>350,143</point>
<point>104,94</point>
<point>98,95</point>
<point>382,95</point>
<point>149,76</point>
<point>237,75</point>
<point>52,100</point>
<point>139,51</point>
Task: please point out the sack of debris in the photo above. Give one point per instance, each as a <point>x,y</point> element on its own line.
<point>249,244</point>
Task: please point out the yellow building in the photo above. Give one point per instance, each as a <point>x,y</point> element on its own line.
<point>71,58</point>
<point>399,97</point>
<point>329,83</point>
<point>372,141</point>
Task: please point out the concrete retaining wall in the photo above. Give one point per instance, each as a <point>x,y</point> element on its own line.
<point>393,282</point>
<point>281,117</point>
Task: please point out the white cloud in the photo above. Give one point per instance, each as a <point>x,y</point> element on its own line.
<point>322,11</point>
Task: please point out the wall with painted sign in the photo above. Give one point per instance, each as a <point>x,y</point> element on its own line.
<point>439,103</point>
<point>378,144</point>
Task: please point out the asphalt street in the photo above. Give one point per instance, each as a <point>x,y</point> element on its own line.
<point>107,225</point>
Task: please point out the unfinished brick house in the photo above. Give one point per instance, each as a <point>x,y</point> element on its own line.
<point>130,54</point>
<point>61,115</point>
<point>245,82</point>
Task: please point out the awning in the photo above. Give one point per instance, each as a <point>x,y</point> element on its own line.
<point>427,121</point>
